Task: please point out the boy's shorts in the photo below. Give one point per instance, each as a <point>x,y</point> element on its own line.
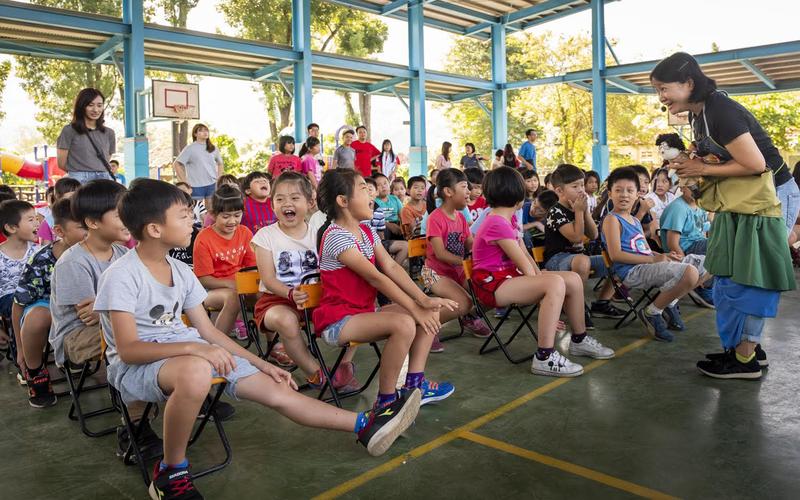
<point>140,382</point>
<point>45,304</point>
<point>486,283</point>
<point>563,262</point>
<point>268,301</point>
<point>83,344</point>
<point>203,192</point>
<point>662,275</point>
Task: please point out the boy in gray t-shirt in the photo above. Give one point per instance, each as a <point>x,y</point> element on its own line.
<point>154,356</point>
<point>345,155</point>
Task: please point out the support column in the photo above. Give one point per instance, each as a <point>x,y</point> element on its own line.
<point>599,135</point>
<point>301,41</point>
<point>135,145</point>
<point>418,152</point>
<point>500,94</point>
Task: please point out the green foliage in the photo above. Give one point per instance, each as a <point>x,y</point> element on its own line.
<point>779,114</point>
<point>5,70</point>
<point>229,153</point>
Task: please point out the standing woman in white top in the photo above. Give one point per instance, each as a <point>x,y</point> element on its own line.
<point>388,161</point>
<point>85,145</point>
<point>662,192</point>
<point>199,165</point>
<point>443,160</point>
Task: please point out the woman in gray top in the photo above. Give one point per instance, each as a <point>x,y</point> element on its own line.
<point>200,164</point>
<point>85,145</point>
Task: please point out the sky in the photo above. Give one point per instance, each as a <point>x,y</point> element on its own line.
<point>642,29</point>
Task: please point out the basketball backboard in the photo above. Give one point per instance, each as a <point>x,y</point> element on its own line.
<point>175,100</point>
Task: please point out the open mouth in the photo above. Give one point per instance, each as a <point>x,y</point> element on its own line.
<point>289,213</point>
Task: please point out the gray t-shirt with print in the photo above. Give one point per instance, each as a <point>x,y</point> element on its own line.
<point>75,278</point>
<point>345,157</point>
<point>129,286</point>
<point>201,166</point>
<point>82,157</point>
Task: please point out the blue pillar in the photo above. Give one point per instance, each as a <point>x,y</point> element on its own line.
<point>301,41</point>
<point>418,152</point>
<point>135,145</point>
<point>599,136</point>
<point>499,95</point>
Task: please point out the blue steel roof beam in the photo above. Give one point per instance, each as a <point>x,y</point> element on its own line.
<point>393,7</point>
<point>468,95</point>
<point>62,18</point>
<point>435,76</point>
<point>206,40</point>
<point>624,85</point>
<point>107,48</point>
<point>386,84</point>
<point>536,10</point>
<point>27,49</point>
<point>270,70</point>
<point>466,11</point>
<point>366,66</point>
<point>758,73</point>
<point>196,69</point>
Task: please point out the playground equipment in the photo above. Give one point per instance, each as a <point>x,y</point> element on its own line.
<point>21,167</point>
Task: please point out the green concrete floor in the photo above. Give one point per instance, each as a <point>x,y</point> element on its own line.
<point>644,424</point>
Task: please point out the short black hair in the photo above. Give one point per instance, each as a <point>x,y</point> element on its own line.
<point>146,202</point>
<point>227,198</point>
<point>181,183</point>
<point>6,189</point>
<point>378,175</point>
<point>228,179</point>
<point>114,161</point>
<point>336,182</point>
<point>65,185</point>
<point>641,170</point>
<point>11,213</point>
<point>681,67</point>
<point>4,196</point>
<point>623,174</point>
<point>289,177</point>
<point>360,127</point>
<point>311,125</point>
<point>529,174</point>
<point>448,178</point>
<point>661,171</point>
<point>348,131</point>
<point>257,174</point>
<point>529,132</point>
<point>371,182</point>
<point>62,212</point>
<point>96,198</point>
<point>474,175</point>
<point>566,174</point>
<point>594,175</point>
<point>547,199</point>
<point>283,141</point>
<point>415,179</point>
<point>503,187</point>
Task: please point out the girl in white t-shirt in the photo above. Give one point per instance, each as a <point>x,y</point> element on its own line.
<point>661,193</point>
<point>286,253</point>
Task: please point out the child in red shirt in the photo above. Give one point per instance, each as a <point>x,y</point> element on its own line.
<point>220,251</point>
<point>285,158</point>
<point>258,210</point>
<point>476,203</point>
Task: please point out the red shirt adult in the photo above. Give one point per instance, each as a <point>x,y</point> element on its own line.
<point>365,152</point>
<point>280,163</point>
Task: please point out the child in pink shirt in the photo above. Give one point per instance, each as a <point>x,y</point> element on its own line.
<point>504,273</point>
<point>284,159</point>
<point>309,165</point>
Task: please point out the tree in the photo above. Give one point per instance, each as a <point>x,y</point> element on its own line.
<point>229,152</point>
<point>5,70</point>
<point>779,114</point>
<point>334,29</point>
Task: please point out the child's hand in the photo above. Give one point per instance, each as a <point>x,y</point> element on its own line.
<point>86,312</point>
<point>675,256</point>
<point>660,257</point>
<point>580,204</point>
<point>278,375</point>
<point>220,359</point>
<point>427,319</point>
<point>435,303</point>
<point>299,297</point>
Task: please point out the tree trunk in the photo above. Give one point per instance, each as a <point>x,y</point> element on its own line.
<point>365,107</point>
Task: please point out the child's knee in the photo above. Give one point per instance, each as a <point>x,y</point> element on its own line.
<point>556,285</point>
<point>404,328</point>
<point>285,323</point>
<point>581,264</point>
<point>690,275</point>
<point>194,377</point>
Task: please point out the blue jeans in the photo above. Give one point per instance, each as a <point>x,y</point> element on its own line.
<point>203,192</point>
<point>563,262</point>
<point>789,196</point>
<point>84,177</point>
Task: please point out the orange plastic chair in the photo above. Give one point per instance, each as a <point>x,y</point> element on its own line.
<point>417,247</point>
<point>247,283</point>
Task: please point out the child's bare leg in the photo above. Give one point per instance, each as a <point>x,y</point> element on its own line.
<point>582,265</point>
<point>283,320</point>
<point>187,380</point>
<point>398,330</point>
<point>226,301</point>
<point>399,251</point>
<point>301,409</point>
<point>606,291</point>
<point>34,336</point>
<point>449,289</point>
<point>421,346</point>
<point>547,290</point>
<point>687,282</point>
<point>574,304</point>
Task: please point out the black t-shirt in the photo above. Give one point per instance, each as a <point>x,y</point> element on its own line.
<point>186,255</point>
<point>554,241</point>
<point>470,161</point>
<point>727,120</point>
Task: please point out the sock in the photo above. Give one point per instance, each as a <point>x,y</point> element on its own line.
<point>673,303</point>
<point>578,337</point>
<point>361,421</point>
<point>543,353</point>
<point>599,303</point>
<point>385,399</point>
<point>163,466</point>
<point>414,380</point>
<point>652,310</point>
<point>32,372</point>
<point>745,360</point>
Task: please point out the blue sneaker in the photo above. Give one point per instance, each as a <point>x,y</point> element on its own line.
<point>673,317</point>
<point>703,297</point>
<point>435,391</point>
<point>655,325</point>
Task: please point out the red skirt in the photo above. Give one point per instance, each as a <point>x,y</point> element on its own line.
<point>487,282</point>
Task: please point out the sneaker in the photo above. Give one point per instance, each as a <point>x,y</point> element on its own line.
<point>150,445</point>
<point>703,296</point>
<point>620,298</point>
<point>224,411</point>
<point>21,379</point>
<point>343,381</point>
<point>173,484</point>
<point>240,330</point>
<point>387,423</point>
<point>500,312</point>
<point>279,356</point>
<point>656,326</point>
<point>556,365</point>
<point>672,315</point>
<point>477,327</point>
<point>587,318</point>
<point>590,347</point>
<point>761,356</point>
<point>437,345</point>
<point>727,366</point>
<point>435,391</point>
<point>605,309</point>
<point>40,390</point>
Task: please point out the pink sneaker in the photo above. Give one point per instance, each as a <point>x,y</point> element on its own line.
<point>344,380</point>
<point>477,327</point>
<point>240,329</point>
<point>437,345</point>
<point>279,356</point>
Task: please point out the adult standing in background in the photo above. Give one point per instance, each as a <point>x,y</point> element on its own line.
<point>199,165</point>
<point>443,160</point>
<point>345,155</point>
<point>366,152</point>
<point>86,144</point>
<point>471,159</point>
<point>527,152</point>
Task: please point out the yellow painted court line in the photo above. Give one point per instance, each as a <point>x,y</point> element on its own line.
<point>578,470</point>
<point>424,449</point>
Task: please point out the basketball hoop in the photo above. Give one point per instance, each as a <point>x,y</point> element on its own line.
<point>183,112</point>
